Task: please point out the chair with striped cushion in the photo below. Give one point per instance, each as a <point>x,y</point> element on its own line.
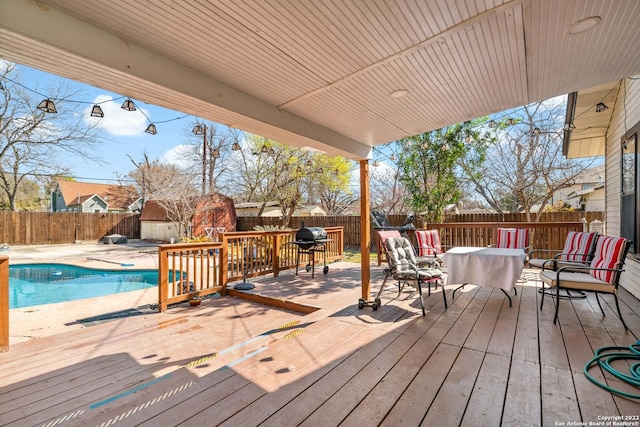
<point>578,248</point>
<point>429,246</point>
<point>512,238</point>
<point>602,275</point>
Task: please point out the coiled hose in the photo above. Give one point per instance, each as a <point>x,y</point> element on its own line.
<point>605,356</point>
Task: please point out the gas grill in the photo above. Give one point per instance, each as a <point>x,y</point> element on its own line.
<point>380,222</point>
<point>310,240</point>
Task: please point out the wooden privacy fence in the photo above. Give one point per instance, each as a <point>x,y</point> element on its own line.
<point>199,269</point>
<point>351,223</point>
<point>32,228</point>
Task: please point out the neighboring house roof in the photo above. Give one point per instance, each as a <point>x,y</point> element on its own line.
<point>118,197</point>
<point>152,211</point>
<point>585,191</point>
<point>591,175</point>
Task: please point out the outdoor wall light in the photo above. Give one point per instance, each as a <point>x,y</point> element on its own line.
<point>128,105</point>
<point>151,129</point>
<point>600,107</point>
<point>47,106</point>
<point>96,111</point>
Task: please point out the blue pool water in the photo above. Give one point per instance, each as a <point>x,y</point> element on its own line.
<point>37,284</point>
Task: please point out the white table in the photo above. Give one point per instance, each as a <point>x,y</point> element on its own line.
<point>494,267</point>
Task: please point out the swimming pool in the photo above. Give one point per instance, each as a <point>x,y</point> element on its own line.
<point>38,284</point>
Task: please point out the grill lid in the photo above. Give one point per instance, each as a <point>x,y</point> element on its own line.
<point>311,234</point>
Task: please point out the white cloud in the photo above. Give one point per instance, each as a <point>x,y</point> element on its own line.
<point>117,121</point>
<point>178,155</point>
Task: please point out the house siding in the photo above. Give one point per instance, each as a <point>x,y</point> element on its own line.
<point>625,115</point>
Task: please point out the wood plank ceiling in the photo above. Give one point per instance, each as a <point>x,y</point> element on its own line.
<point>320,73</point>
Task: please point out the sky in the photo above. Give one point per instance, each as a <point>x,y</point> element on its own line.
<point>122,132</point>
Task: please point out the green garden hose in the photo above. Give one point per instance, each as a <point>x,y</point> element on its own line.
<point>604,356</point>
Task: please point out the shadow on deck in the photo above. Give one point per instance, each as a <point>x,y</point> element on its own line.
<point>234,362</point>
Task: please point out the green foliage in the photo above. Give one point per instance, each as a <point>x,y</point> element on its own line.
<point>270,228</point>
<point>430,165</point>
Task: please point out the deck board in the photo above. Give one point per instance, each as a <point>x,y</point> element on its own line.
<point>234,362</point>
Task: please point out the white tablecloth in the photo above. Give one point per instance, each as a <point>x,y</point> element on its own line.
<point>494,267</point>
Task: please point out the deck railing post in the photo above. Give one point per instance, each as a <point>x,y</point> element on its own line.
<point>224,262</point>
<point>277,241</point>
<point>163,279</point>
<point>4,303</point>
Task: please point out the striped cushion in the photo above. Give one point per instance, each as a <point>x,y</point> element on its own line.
<point>513,238</point>
<point>609,253</point>
<point>428,242</point>
<point>385,234</point>
<point>579,246</point>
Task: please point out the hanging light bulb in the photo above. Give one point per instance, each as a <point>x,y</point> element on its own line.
<point>337,171</point>
<point>151,129</point>
<point>272,152</point>
<point>392,157</point>
<point>600,107</point>
<point>215,153</point>
<point>492,123</point>
<point>128,105</point>
<point>47,106</point>
<point>510,122</point>
<point>198,129</point>
<point>264,149</point>
<point>376,163</point>
<point>96,111</point>
<point>299,169</point>
<point>445,147</point>
<point>309,163</point>
<point>285,167</point>
<point>468,139</point>
<point>235,146</point>
<point>536,131</point>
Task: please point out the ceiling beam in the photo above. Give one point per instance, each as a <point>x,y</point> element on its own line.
<point>63,32</point>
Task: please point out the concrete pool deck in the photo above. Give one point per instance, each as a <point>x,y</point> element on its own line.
<point>43,320</point>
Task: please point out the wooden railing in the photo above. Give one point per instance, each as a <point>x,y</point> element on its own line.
<point>543,235</point>
<point>197,269</point>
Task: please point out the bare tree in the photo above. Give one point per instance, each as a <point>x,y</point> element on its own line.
<point>217,144</point>
<point>30,139</point>
<point>526,166</point>
<point>173,189</point>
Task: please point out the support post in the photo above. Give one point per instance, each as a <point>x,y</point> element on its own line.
<point>365,229</point>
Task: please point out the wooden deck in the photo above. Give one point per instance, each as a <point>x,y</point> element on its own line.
<point>238,363</point>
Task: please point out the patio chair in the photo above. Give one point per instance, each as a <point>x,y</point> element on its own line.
<point>404,268</point>
<point>429,245</point>
<point>601,276</point>
<point>578,248</point>
<point>513,238</point>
